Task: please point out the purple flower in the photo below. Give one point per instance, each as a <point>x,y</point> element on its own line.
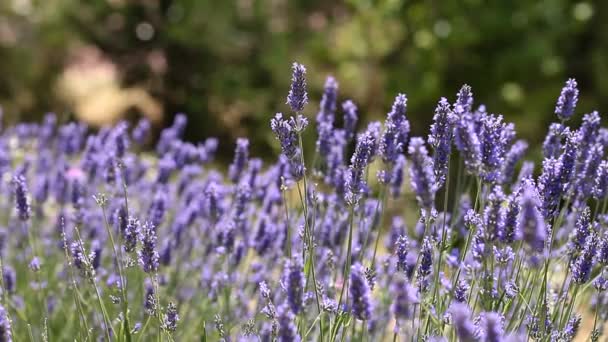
<point>287,329</point>
<point>494,137</point>
<point>568,160</point>
<point>150,299</point>
<point>461,318</point>
<point>491,325</point>
<point>405,297</point>
<point>426,263</point>
<point>241,156</point>
<point>297,97</point>
<point>581,268</point>
<point>364,152</point>
<point>464,100</point>
<point>396,130</point>
<point>350,119</point>
<point>131,234</point>
<point>5,326</point>
<point>396,176</point>
<point>141,131</point>
<point>602,253</point>
<point>440,139</point>
<point>461,291</point>
<point>148,256</point>
<point>600,284</point>
<point>21,200</point>
<point>171,318</point>
<point>494,214</point>
<point>421,173</point>
<point>582,229</point>
<point>586,178</point>
<point>360,293</point>
<point>531,222</point>
<point>294,285</point>
<point>552,146</point>
<point>511,232</point>
<point>566,103</point>
<point>550,185</point>
<point>325,117</point>
<point>467,142</point>
<point>401,247</point>
<point>589,132</point>
<point>571,328</point>
<point>600,184</point>
<point>513,156</point>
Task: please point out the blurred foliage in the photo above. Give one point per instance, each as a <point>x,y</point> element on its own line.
<point>227,63</point>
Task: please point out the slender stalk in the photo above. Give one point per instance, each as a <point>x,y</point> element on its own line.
<point>104,312</point>
<point>309,231</point>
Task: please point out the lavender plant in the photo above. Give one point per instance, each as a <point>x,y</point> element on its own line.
<point>117,243</point>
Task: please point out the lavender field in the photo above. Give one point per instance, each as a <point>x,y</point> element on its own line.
<point>375,235</point>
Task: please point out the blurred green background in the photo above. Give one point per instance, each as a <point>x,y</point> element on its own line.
<point>227,63</point>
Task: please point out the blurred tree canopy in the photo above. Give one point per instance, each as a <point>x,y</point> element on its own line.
<point>227,63</point>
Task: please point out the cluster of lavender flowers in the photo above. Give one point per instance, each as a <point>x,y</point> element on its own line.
<point>101,239</point>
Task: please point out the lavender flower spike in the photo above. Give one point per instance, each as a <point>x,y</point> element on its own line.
<point>440,139</point>
<point>241,155</point>
<point>461,318</point>
<point>148,256</point>
<point>531,222</point>
<point>294,285</point>
<point>5,325</point>
<point>297,97</point>
<point>350,119</point>
<point>566,103</point>
<point>21,201</point>
<point>421,173</point>
<point>360,292</point>
<point>405,297</point>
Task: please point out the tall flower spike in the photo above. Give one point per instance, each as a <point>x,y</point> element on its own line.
<point>131,234</point>
<point>421,173</point>
<point>405,297</point>
<point>566,102</point>
<point>294,284</point>
<point>5,325</point>
<point>600,186</point>
<point>297,97</point>
<point>461,317</point>
<point>550,185</point>
<point>21,201</point>
<point>464,100</point>
<point>401,247</point>
<point>241,155</point>
<point>286,135</point>
<point>581,268</point>
<point>396,177</point>
<point>440,139</point>
<point>426,264</point>
<point>495,214</point>
<point>396,130</point>
<point>491,327</point>
<point>531,222</point>
<point>586,179</point>
<point>360,292</point>
<point>364,152</point>
<point>467,142</point>
<point>287,331</point>
<point>148,256</point>
<point>494,137</point>
<point>350,119</point>
<point>516,152</point>
<point>552,145</point>
<point>171,318</point>
<point>325,117</point>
